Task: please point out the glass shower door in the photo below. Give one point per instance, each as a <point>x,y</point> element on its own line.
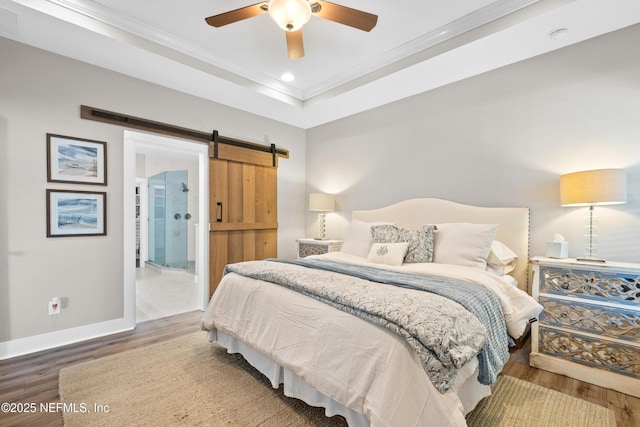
<point>168,219</point>
<point>176,222</point>
<point>157,218</point>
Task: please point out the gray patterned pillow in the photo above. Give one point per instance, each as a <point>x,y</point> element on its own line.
<point>421,241</point>
<point>385,233</point>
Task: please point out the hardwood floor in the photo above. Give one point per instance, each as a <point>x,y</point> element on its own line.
<point>34,378</point>
<point>627,408</point>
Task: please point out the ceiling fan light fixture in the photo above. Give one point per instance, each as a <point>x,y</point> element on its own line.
<point>290,15</point>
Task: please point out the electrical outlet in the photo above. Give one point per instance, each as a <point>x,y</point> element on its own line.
<point>54,306</point>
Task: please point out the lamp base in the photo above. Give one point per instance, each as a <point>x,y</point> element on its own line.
<point>321,227</point>
<point>591,248</point>
<point>600,260</point>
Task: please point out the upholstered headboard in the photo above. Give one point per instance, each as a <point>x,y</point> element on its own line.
<point>513,228</point>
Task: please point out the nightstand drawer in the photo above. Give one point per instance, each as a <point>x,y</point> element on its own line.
<point>305,250</point>
<point>595,319</point>
<point>307,247</point>
<point>602,354</point>
<point>623,288</point>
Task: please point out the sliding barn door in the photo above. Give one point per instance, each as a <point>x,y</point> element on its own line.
<point>243,214</point>
<point>242,193</point>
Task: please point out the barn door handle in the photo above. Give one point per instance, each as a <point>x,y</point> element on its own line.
<point>219,217</point>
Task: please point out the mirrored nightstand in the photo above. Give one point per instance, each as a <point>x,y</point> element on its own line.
<point>590,326</point>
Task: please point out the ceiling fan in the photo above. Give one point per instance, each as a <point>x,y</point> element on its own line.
<point>291,15</point>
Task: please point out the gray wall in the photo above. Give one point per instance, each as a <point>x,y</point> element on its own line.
<point>42,92</point>
<point>499,139</point>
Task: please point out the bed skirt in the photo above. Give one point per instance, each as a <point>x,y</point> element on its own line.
<point>470,391</point>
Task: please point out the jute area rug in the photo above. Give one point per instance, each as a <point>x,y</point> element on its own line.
<point>189,381</point>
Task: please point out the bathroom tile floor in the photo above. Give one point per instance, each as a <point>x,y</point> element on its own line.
<point>164,293</point>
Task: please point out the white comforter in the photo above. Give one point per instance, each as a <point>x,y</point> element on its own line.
<point>364,367</point>
<point>517,306</point>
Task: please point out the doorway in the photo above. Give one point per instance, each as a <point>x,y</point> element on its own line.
<point>165,251</point>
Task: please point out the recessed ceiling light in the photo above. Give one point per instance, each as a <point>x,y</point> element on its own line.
<point>287,77</point>
<point>558,33</point>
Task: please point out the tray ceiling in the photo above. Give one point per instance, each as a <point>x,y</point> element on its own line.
<point>417,45</point>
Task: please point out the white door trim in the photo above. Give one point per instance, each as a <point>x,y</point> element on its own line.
<point>135,142</point>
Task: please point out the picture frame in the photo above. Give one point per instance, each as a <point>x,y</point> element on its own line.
<point>76,160</point>
<point>76,213</point>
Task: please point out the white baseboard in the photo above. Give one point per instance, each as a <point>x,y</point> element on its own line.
<point>28,345</point>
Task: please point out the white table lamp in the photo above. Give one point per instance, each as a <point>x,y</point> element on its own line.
<point>591,188</point>
<point>322,203</point>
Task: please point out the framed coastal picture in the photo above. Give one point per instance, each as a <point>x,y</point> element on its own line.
<point>76,213</point>
<point>76,160</point>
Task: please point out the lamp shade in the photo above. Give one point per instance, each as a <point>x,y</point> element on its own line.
<point>595,187</point>
<point>290,15</point>
<point>322,202</point>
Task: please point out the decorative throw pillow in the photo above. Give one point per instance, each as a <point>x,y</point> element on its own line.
<point>385,233</point>
<point>421,242</point>
<point>464,244</point>
<point>388,253</point>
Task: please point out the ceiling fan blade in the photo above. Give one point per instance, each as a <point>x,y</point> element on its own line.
<point>295,47</point>
<point>236,15</point>
<point>345,15</point>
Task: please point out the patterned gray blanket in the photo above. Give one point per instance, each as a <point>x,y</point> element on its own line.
<point>447,326</point>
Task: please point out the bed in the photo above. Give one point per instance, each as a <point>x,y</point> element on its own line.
<point>334,331</point>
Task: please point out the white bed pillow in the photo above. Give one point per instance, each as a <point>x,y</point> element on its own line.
<point>358,240</point>
<point>388,253</point>
<point>464,244</point>
<point>501,259</point>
